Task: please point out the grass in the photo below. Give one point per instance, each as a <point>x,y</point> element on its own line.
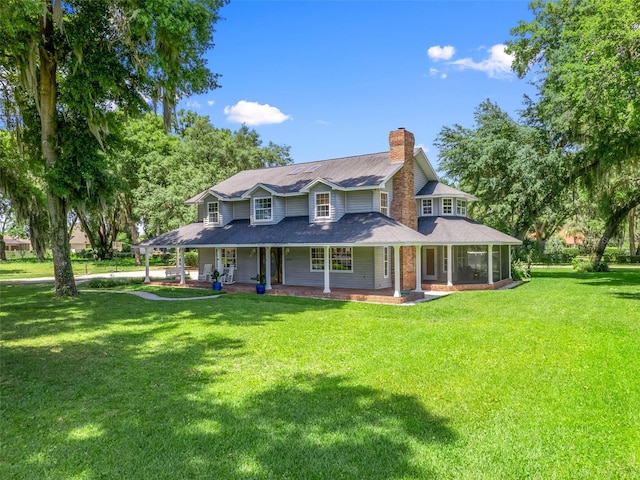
<point>540,381</point>
<point>14,269</point>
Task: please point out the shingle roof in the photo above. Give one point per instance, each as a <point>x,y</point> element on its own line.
<point>352,229</point>
<point>347,172</point>
<point>439,189</point>
<point>461,231</point>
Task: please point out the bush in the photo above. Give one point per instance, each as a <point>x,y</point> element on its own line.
<point>191,259</point>
<point>520,270</point>
<point>113,282</point>
<point>600,267</point>
<point>582,265</point>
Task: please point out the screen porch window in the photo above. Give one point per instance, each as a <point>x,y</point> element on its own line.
<point>427,206</point>
<point>384,203</point>
<point>262,208</point>
<point>213,212</point>
<point>461,207</point>
<point>447,206</point>
<point>323,205</point>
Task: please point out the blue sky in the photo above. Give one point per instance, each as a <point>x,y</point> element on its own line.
<point>332,78</point>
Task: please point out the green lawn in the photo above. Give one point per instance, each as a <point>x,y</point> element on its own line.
<point>14,269</point>
<point>541,381</point>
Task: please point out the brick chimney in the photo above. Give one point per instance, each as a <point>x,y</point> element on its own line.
<point>403,204</point>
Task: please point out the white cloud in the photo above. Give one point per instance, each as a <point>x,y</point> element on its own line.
<point>433,71</point>
<point>193,104</point>
<point>443,76</point>
<point>253,113</point>
<point>322,122</point>
<point>441,53</point>
<point>210,102</point>
<point>497,65</point>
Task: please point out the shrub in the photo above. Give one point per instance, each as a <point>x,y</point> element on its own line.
<point>600,267</point>
<point>191,259</point>
<point>582,265</point>
<point>520,270</point>
<point>113,282</point>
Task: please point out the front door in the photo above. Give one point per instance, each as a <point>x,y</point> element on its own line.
<point>276,264</point>
<point>430,263</point>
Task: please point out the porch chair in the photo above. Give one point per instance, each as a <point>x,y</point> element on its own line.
<point>227,278</point>
<point>205,276</point>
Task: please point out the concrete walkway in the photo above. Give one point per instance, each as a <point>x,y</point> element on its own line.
<point>147,295</point>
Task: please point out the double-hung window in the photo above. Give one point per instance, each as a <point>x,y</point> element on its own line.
<point>461,207</point>
<point>323,205</point>
<point>384,203</point>
<point>317,259</point>
<point>447,206</point>
<point>427,206</point>
<point>262,209</point>
<point>213,212</point>
<point>340,259</point>
<point>229,257</point>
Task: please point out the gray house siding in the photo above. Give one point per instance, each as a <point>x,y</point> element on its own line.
<point>226,210</point>
<point>241,210</point>
<point>419,178</point>
<point>361,201</point>
<point>380,281</point>
<point>298,270</point>
<point>297,206</point>
<point>247,265</point>
<point>279,208</point>
<point>206,255</point>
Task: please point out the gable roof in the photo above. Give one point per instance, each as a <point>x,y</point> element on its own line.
<point>360,171</point>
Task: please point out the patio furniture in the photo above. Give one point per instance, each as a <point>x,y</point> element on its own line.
<point>205,276</point>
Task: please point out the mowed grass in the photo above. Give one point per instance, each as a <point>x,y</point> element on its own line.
<point>541,381</point>
<point>16,269</point>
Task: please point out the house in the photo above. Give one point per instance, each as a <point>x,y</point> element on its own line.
<point>15,244</point>
<point>78,240</point>
<point>369,222</point>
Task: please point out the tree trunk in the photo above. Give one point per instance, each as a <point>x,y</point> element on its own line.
<point>632,233</point>
<point>613,222</point>
<point>65,284</point>
<point>133,230</point>
<point>3,253</point>
<point>37,233</point>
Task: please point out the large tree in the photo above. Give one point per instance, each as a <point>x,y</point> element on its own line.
<point>78,60</point>
<point>517,174</point>
<point>585,58</point>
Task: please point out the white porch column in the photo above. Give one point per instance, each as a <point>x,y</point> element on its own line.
<point>327,269</point>
<point>418,268</point>
<point>396,271</point>
<point>267,267</point>
<point>218,260</point>
<point>490,264</point>
<point>146,265</point>
<point>510,262</point>
<point>183,278</point>
<point>284,270</point>
<point>449,266</point>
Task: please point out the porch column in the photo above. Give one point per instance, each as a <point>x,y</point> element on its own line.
<point>267,267</point>
<point>327,286</point>
<point>418,268</point>
<point>218,260</point>
<point>183,278</point>
<point>146,265</point>
<point>510,262</point>
<point>396,271</point>
<point>449,266</point>
<point>490,264</point>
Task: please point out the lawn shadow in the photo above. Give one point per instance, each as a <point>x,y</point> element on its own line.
<point>627,277</point>
<point>320,426</point>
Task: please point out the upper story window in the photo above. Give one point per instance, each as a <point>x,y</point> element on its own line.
<point>213,212</point>
<point>262,209</point>
<point>323,205</point>
<point>461,207</point>
<point>384,203</point>
<point>447,206</point>
<point>427,206</point>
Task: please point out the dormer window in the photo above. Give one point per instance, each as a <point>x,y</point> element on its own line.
<point>323,205</point>
<point>384,203</point>
<point>461,207</point>
<point>262,209</point>
<point>427,206</point>
<point>213,212</point>
<point>447,206</point>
